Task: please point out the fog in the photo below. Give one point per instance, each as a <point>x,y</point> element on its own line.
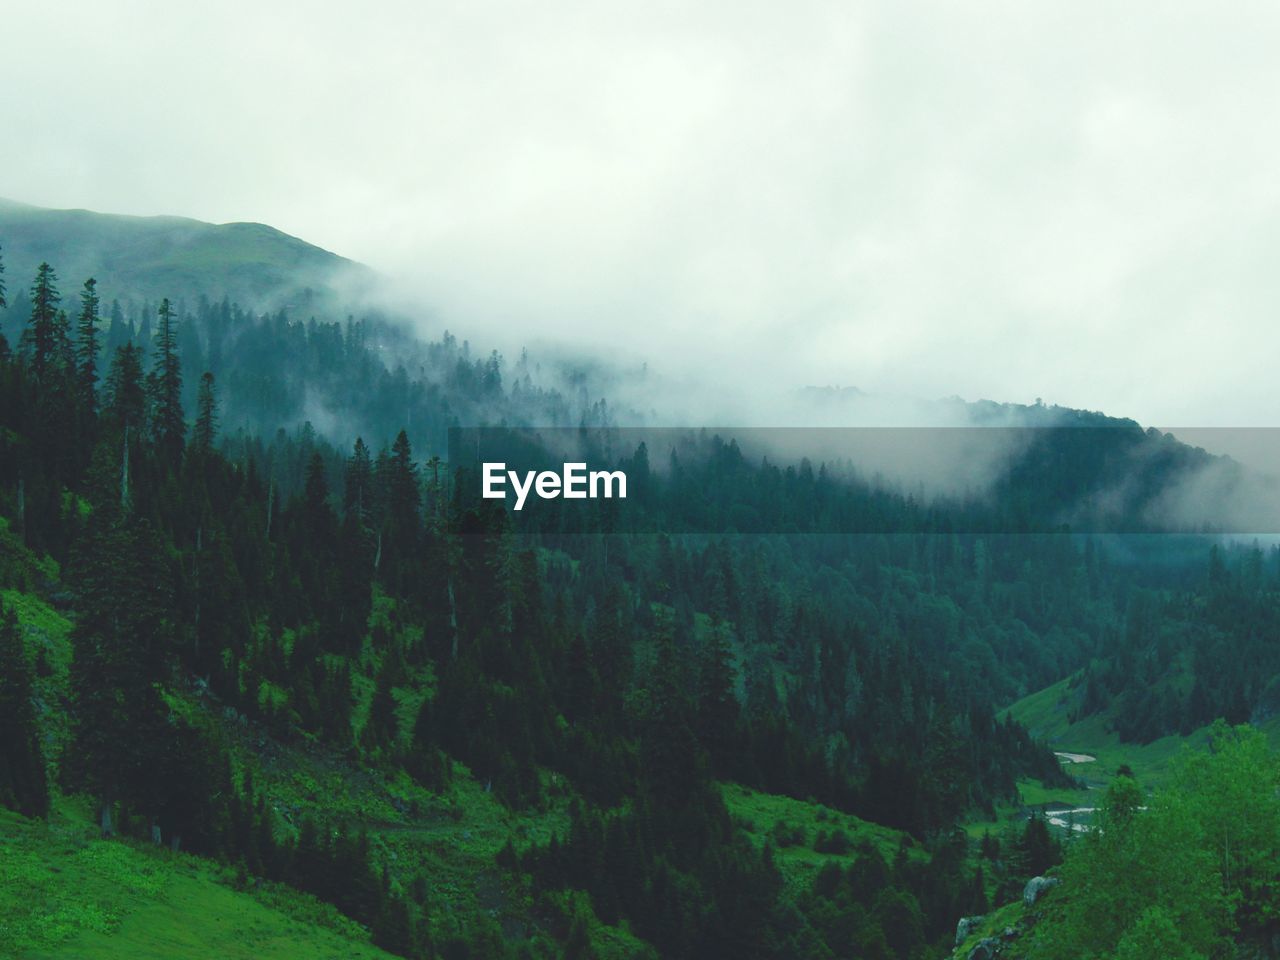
<point>991,200</point>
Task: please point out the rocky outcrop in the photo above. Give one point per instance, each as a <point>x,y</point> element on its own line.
<point>1036,887</point>
<point>965,927</point>
<point>985,949</point>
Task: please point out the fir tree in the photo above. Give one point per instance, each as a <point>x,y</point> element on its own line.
<point>168,425</point>
<point>669,746</point>
<point>357,494</point>
<point>381,729</point>
<point>206,428</point>
<point>22,774</point>
<point>316,510</point>
<point>41,336</point>
<point>403,498</point>
<point>122,645</point>
<point>86,352</point>
<point>717,705</point>
<point>125,401</point>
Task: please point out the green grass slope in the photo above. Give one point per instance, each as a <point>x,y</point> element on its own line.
<point>1045,715</point>
<point>1100,754</point>
<point>797,827</point>
<point>443,843</point>
<point>65,893</point>
<point>153,257</point>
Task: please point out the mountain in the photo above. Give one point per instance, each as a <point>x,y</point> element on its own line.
<point>148,258</point>
<point>329,670</point>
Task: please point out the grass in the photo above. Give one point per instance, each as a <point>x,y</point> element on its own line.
<point>46,635</point>
<point>65,893</point>
<point>1032,794</point>
<point>21,568</point>
<point>992,924</point>
<point>445,841</point>
<point>1045,715</point>
<point>42,626</point>
<point>766,817</point>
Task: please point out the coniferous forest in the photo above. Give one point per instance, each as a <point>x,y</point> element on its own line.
<point>255,633</point>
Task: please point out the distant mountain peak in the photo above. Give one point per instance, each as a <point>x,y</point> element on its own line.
<point>150,257</point>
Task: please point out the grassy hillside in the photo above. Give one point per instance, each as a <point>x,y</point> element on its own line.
<point>1045,714</point>
<point>64,893</point>
<point>805,834</point>
<point>1093,753</point>
<point>146,258</point>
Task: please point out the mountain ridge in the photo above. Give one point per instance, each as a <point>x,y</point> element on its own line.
<point>151,257</point>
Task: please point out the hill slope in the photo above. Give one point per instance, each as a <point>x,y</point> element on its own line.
<point>147,258</point>
<point>66,893</point>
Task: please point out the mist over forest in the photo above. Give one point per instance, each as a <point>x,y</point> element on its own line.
<point>806,689</point>
<point>885,560</point>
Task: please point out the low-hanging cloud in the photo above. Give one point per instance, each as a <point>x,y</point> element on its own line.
<point>1074,201</point>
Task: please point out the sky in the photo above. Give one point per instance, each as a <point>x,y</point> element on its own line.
<point>1005,200</point>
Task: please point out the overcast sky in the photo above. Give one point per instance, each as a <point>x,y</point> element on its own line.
<point>1075,201</point>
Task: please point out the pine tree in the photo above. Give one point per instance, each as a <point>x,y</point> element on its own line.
<point>41,336</point>
<point>3,301</point>
<point>357,494</point>
<point>168,424</point>
<point>125,398</point>
<point>403,498</point>
<point>717,704</point>
<point>392,927</point>
<point>316,510</point>
<point>86,352</point>
<point>1037,850</point>
<point>22,773</point>
<point>668,746</point>
<point>381,729</point>
<point>206,428</point>
<point>122,646</point>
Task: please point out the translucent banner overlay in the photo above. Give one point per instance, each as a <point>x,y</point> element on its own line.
<point>869,480</point>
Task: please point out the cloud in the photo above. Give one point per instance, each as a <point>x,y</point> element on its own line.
<point>1005,200</point>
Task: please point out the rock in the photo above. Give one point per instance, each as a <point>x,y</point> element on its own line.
<point>985,949</point>
<point>965,927</point>
<point>1036,888</point>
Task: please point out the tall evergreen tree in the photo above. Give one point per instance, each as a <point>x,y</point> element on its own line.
<point>669,747</point>
<point>403,497</point>
<point>125,402</point>
<point>717,704</point>
<point>357,494</point>
<point>316,508</point>
<point>3,301</point>
<point>22,774</point>
<point>168,424</point>
<point>87,345</point>
<point>206,428</point>
<point>122,646</point>
<point>41,337</point>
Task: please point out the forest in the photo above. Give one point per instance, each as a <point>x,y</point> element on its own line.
<point>265,565</point>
